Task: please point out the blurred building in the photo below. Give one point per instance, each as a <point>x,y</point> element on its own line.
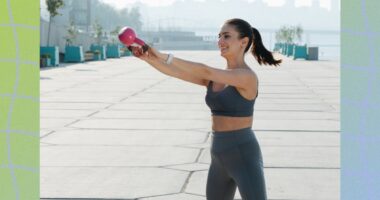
<point>177,40</point>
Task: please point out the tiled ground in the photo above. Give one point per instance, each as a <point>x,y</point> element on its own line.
<point>118,129</point>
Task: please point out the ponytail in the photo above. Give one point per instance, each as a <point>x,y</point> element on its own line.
<point>262,55</point>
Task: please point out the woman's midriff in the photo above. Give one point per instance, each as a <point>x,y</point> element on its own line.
<point>225,123</point>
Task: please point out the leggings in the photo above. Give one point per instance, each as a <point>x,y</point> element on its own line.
<point>236,161</point>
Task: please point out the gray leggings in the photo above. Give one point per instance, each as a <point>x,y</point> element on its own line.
<point>236,161</point>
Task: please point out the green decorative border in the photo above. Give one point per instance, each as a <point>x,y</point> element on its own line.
<point>360,97</point>
<point>19,99</point>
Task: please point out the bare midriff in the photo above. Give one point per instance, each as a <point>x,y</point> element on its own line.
<point>226,123</point>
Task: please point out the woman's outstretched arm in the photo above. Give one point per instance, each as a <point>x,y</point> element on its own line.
<point>241,78</point>
<point>157,60</point>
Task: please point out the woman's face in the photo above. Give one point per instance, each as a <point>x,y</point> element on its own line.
<point>229,43</point>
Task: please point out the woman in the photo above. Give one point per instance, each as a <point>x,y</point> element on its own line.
<point>236,159</point>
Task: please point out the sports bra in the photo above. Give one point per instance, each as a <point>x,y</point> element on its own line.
<point>229,102</point>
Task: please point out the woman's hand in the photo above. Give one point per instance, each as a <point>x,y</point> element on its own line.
<point>150,55</point>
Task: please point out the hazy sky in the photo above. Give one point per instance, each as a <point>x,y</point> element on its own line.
<point>298,3</point>
<point>162,13</point>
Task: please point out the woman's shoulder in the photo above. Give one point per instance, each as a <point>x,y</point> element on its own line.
<point>253,75</point>
<point>248,71</point>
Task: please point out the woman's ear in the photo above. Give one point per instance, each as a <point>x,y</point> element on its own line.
<point>245,41</point>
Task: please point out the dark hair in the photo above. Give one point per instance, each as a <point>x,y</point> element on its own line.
<point>262,55</point>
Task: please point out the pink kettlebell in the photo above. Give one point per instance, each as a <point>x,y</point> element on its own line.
<point>128,37</point>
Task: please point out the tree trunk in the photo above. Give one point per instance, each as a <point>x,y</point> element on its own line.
<point>48,37</point>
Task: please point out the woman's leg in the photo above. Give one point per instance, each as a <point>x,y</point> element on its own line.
<point>220,186</point>
<point>245,165</point>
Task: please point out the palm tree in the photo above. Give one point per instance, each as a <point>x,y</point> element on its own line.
<point>98,31</point>
<point>115,33</point>
<point>284,35</point>
<point>53,6</point>
<point>288,34</point>
<point>299,32</point>
<point>72,34</point>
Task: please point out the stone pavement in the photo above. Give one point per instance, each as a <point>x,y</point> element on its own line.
<point>119,129</point>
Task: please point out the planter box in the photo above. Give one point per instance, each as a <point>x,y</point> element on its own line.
<point>97,57</point>
<point>74,54</point>
<point>284,48</point>
<point>88,56</point>
<point>312,53</point>
<point>300,52</point>
<point>127,53</point>
<point>45,62</point>
<point>290,50</point>
<point>53,52</point>
<point>101,48</point>
<point>278,47</point>
<point>113,51</point>
<point>124,51</point>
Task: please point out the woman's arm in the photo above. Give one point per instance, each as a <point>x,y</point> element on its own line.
<point>241,78</point>
<point>157,60</point>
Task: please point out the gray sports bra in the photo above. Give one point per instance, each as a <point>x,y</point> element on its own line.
<point>229,102</point>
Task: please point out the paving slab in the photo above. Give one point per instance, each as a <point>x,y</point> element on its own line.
<point>54,123</point>
<point>336,107</point>
<point>119,129</point>
<point>136,156</point>
<point>291,138</point>
<point>163,89</point>
<point>294,157</point>
<point>262,105</point>
<point>105,90</point>
<point>153,114</point>
<point>284,138</point>
<point>126,137</point>
<point>327,91</point>
<point>199,146</point>
<point>44,132</point>
<point>182,196</point>
<point>92,93</point>
<point>190,167</point>
<point>159,106</point>
<point>72,105</point>
<point>331,100</point>
<point>286,184</point>
<point>294,115</point>
<point>167,99</point>
<point>176,95</point>
<point>59,113</point>
<point>141,124</point>
<point>274,90</point>
<point>286,96</point>
<point>109,182</point>
<point>297,125</point>
<point>121,87</point>
<point>85,99</point>
<point>292,101</point>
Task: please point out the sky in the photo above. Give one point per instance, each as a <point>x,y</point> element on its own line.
<point>162,13</point>
<point>298,3</point>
